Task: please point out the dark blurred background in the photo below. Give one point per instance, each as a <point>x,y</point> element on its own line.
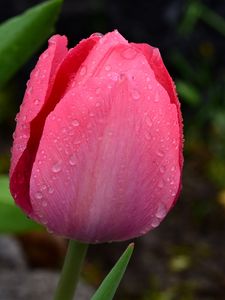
<point>185,257</point>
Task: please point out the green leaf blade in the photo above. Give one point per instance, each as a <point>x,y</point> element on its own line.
<point>12,219</point>
<point>23,35</point>
<point>110,284</point>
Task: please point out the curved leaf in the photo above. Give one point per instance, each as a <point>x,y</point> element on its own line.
<point>110,284</point>
<point>22,35</point>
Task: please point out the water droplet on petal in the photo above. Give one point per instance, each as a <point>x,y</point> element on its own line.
<point>155,222</point>
<point>43,187</point>
<point>156,99</point>
<point>129,53</point>
<point>161,211</point>
<point>114,76</point>
<point>161,184</point>
<point>162,169</point>
<point>57,167</point>
<point>73,160</point>
<point>24,118</point>
<point>75,123</point>
<point>36,102</point>
<point>107,67</point>
<point>98,34</point>
<point>38,195</point>
<point>29,90</point>
<point>160,153</point>
<point>135,94</point>
<point>50,190</point>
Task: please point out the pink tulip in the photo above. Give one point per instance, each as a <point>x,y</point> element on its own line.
<point>97,153</point>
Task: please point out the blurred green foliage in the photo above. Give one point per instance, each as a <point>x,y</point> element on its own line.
<point>12,219</point>
<point>202,94</point>
<point>23,35</point>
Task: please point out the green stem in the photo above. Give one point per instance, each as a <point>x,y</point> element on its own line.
<point>76,253</point>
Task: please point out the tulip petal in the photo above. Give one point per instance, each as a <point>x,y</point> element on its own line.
<point>47,85</point>
<point>109,152</point>
<point>38,87</point>
<point>162,75</point>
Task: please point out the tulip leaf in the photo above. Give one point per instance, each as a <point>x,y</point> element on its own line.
<point>110,284</point>
<point>12,219</point>
<point>23,35</point>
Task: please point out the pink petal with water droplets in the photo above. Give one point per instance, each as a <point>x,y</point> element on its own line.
<point>38,89</point>
<point>49,82</point>
<point>108,163</point>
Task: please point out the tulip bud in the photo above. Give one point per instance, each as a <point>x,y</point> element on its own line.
<point>97,152</point>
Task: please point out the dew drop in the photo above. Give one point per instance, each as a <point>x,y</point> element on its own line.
<point>160,153</point>
<point>29,90</point>
<point>162,169</point>
<point>97,34</point>
<point>161,184</point>
<point>97,104</point>
<point>129,53</point>
<point>43,187</point>
<point>172,168</point>
<point>36,102</point>
<point>161,211</point>
<point>73,160</point>
<point>155,222</point>
<point>38,195</point>
<point>135,94</point>
<point>107,67</point>
<point>50,190</point>
<point>114,76</point>
<point>56,168</point>
<point>75,123</point>
<point>156,99</point>
<point>50,231</point>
